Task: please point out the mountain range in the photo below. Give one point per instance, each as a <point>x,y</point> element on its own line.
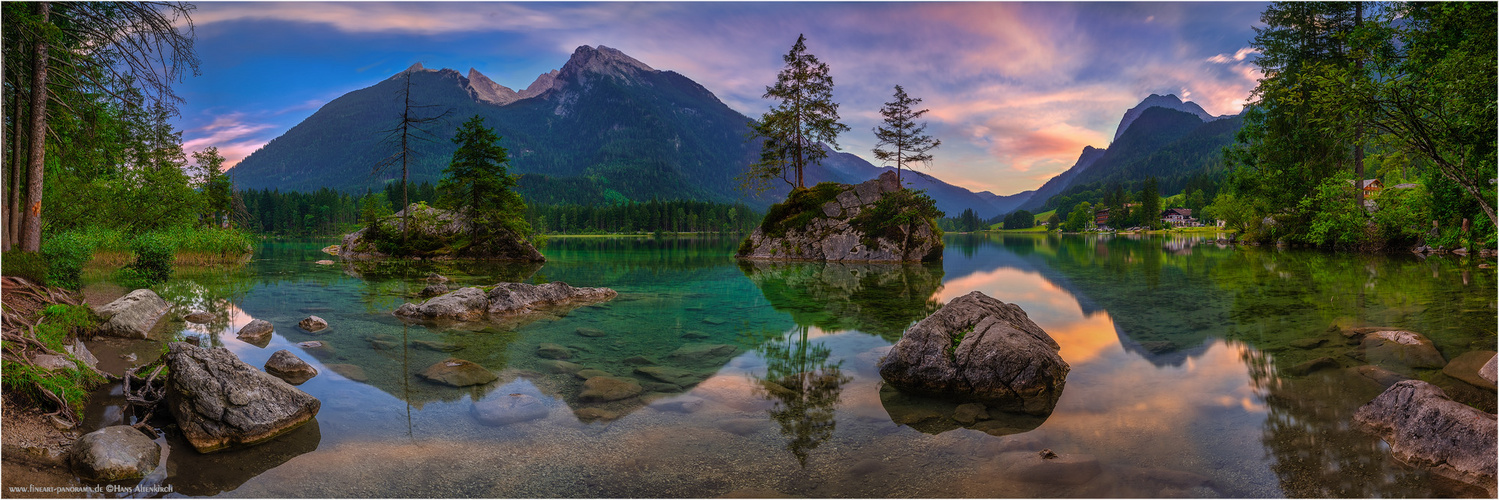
<point>606,128</point>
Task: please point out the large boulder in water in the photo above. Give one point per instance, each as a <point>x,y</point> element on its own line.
<point>841,222</point>
<point>982,349</point>
<point>504,300</point>
<point>1397,348</point>
<point>289,367</point>
<point>1425,428</point>
<point>435,224</point>
<point>132,316</point>
<point>114,453</point>
<point>220,401</point>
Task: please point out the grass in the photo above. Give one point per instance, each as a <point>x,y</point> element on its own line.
<point>191,245</point>
<point>59,323</point>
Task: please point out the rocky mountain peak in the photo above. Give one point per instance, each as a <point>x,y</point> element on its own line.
<point>543,83</point>
<point>415,67</point>
<point>487,90</point>
<point>1168,101</point>
<point>601,61</point>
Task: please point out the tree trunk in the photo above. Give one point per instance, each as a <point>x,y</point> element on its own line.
<point>12,227</point>
<point>1358,128</point>
<point>31,237</point>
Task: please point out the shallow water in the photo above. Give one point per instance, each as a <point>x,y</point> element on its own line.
<point>1178,349</point>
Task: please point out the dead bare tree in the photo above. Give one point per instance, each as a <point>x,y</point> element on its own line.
<point>410,127</point>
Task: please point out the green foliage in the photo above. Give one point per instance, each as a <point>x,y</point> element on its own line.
<point>66,254</point>
<point>1080,218</point>
<point>477,185</point>
<point>153,262</point>
<point>896,210</point>
<point>59,323</point>
<point>805,118</point>
<point>799,209</point>
<point>218,189</point>
<point>952,348</point>
<point>1020,219</point>
<point>907,141</point>
<point>30,265</point>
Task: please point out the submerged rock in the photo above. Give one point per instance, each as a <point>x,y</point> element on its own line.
<point>1488,372</point>
<point>257,333</point>
<point>114,453</point>
<point>220,401</point>
<point>434,289</point>
<point>132,316</point>
<point>1469,367</point>
<point>289,367</point>
<point>1425,428</point>
<point>313,324</point>
<point>509,409</point>
<point>604,389</point>
<point>979,348</point>
<point>830,229</point>
<point>553,351</point>
<point>199,317</point>
<point>504,300</point>
<point>1052,468</point>
<point>458,373</point>
<point>1398,348</point>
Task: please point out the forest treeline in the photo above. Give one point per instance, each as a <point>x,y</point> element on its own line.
<point>326,212</point>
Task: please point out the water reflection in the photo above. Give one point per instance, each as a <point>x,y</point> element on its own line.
<point>880,299</point>
<point>804,387</point>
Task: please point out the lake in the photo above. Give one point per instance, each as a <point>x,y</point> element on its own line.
<point>1183,381</point>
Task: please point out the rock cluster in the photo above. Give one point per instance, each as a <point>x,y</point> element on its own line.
<point>1425,428</point>
<point>505,299</point>
<point>132,316</point>
<point>220,401</point>
<point>830,235</point>
<point>979,348</point>
<point>439,224</point>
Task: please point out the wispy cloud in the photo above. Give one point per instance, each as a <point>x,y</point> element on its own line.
<point>234,136</point>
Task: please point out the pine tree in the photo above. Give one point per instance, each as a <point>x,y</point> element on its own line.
<point>795,129</point>
<point>909,140</point>
<point>217,189</point>
<point>476,182</point>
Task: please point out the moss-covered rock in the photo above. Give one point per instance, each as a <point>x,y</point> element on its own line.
<point>435,234</point>
<point>876,221</point>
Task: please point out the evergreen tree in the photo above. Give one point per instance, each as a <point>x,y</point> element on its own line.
<point>476,183</point>
<point>1150,204</point>
<point>218,191</point>
<point>795,129</point>
<point>909,140</point>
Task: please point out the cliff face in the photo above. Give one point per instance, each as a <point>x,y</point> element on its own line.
<point>841,222</point>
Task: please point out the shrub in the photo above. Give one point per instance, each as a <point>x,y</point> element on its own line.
<point>799,209</point>
<point>66,254</point>
<point>894,210</point>
<point>153,262</point>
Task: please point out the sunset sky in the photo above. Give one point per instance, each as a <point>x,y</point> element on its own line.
<point>1015,89</point>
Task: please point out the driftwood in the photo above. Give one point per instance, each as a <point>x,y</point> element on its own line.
<point>148,397</point>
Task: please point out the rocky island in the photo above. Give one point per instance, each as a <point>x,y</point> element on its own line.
<point>435,234</point>
<point>875,221</point>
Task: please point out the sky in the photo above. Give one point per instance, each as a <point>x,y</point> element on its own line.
<point>1016,90</point>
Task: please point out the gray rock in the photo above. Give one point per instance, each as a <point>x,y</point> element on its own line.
<point>434,289</point>
<point>132,316</point>
<point>464,304</point>
<point>437,278</point>
<point>508,299</point>
<point>669,375</point>
<point>970,413</point>
<point>1002,358</point>
<point>199,317</point>
<point>81,353</point>
<point>313,324</point>
<point>258,333</point>
<point>603,389</point>
<point>1426,429</point>
<point>220,401</point>
<point>560,367</point>
<point>831,236</point>
<point>458,373</point>
<point>289,367</point>
<point>1400,348</point>
<point>52,363</point>
<point>1469,366</point>
<point>509,409</point>
<point>1488,371</point>
<point>1379,375</point>
<point>114,453</point>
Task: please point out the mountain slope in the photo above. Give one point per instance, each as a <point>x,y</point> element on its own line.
<point>1168,101</point>
<point>1056,185</point>
<point>604,128</point>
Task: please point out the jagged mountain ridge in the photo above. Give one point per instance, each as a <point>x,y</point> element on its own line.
<point>1168,101</point>
<point>604,128</point>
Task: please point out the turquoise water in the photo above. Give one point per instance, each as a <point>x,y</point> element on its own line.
<point>1179,348</point>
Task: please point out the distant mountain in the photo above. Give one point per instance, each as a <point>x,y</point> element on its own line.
<point>1168,101</point>
<point>850,169</point>
<point>604,128</point>
<point>1162,137</point>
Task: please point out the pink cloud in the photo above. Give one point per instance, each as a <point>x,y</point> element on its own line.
<point>235,137</point>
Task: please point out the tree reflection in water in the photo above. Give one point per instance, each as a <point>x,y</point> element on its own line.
<point>804,387</point>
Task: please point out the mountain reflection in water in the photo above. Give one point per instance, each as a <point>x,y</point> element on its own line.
<point>765,379</point>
